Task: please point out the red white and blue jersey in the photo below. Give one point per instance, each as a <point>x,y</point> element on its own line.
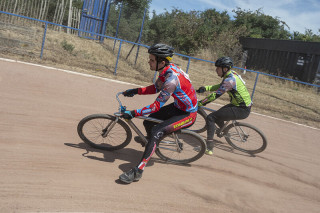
<point>173,82</point>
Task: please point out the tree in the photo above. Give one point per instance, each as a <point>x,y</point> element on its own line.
<point>132,7</point>
<point>260,25</point>
<point>131,18</point>
<point>189,32</point>
<point>176,28</point>
<point>308,36</point>
<point>212,24</point>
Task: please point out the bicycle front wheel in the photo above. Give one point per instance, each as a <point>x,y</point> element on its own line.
<point>102,131</point>
<point>245,137</point>
<point>181,147</point>
<point>199,125</point>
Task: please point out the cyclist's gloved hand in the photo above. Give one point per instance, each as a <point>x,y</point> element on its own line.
<point>130,92</point>
<point>129,114</point>
<point>200,104</point>
<point>201,90</point>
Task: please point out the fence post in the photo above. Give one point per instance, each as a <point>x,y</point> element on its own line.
<point>144,15</point>
<point>254,87</point>
<point>117,26</point>
<point>115,69</point>
<point>43,39</point>
<point>188,65</point>
<point>105,20</point>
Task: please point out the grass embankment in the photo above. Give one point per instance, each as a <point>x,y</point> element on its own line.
<point>274,97</point>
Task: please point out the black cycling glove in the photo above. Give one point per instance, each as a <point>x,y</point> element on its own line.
<point>129,114</point>
<point>130,92</point>
<point>201,90</point>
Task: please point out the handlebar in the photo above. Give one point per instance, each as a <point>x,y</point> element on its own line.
<point>121,107</point>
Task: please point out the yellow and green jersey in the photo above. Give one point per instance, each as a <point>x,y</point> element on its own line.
<point>233,84</point>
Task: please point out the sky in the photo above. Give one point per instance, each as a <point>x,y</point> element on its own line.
<point>299,15</point>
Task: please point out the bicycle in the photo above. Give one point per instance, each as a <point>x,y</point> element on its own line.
<point>107,132</point>
<point>239,135</point>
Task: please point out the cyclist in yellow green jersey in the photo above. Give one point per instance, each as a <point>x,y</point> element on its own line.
<point>240,100</point>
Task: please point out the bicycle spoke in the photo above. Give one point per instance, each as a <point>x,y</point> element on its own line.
<point>246,138</point>
<point>183,148</point>
<point>92,130</point>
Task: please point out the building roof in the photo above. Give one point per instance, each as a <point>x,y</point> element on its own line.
<point>281,45</point>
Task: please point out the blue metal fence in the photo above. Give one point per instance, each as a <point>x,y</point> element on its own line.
<point>134,43</point>
<point>92,18</point>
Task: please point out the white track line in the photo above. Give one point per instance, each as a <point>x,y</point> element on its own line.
<point>122,82</point>
<point>68,71</point>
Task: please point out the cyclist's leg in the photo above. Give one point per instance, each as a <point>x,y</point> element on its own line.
<point>178,120</point>
<point>225,113</point>
<point>163,114</point>
<point>136,173</point>
<point>231,112</point>
<point>174,119</point>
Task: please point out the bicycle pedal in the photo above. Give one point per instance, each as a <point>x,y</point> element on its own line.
<point>220,135</point>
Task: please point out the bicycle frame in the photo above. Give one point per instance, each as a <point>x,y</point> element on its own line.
<point>135,128</point>
<point>219,131</point>
<point>114,132</point>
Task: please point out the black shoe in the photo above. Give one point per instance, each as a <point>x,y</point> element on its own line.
<point>219,133</point>
<point>132,175</point>
<point>138,139</point>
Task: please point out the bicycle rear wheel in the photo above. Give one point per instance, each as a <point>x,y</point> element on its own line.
<point>98,131</point>
<point>245,137</point>
<point>199,125</point>
<point>181,147</point>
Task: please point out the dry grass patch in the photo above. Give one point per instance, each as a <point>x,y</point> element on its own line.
<point>274,97</point>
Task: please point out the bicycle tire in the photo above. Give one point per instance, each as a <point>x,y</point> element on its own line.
<point>192,147</point>
<point>254,140</point>
<point>90,130</point>
<point>199,125</point>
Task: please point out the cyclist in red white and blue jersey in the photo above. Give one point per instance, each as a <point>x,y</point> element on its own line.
<point>172,81</point>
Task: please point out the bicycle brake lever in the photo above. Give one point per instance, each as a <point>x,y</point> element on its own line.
<point>123,109</point>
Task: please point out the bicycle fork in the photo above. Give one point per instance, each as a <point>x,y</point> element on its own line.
<point>108,128</point>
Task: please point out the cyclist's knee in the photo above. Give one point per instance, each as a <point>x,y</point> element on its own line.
<point>148,126</point>
<point>157,132</point>
<point>211,118</point>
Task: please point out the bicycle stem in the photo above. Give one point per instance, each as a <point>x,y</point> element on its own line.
<point>130,123</point>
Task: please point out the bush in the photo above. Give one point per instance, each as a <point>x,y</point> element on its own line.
<point>66,46</point>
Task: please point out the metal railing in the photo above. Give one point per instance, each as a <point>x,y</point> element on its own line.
<point>138,44</point>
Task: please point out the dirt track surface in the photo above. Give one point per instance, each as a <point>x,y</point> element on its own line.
<point>45,167</point>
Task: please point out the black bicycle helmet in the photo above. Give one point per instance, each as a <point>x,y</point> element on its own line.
<point>161,50</point>
<point>224,62</point>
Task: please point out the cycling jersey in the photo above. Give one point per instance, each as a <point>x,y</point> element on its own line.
<point>173,82</point>
<point>233,84</point>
